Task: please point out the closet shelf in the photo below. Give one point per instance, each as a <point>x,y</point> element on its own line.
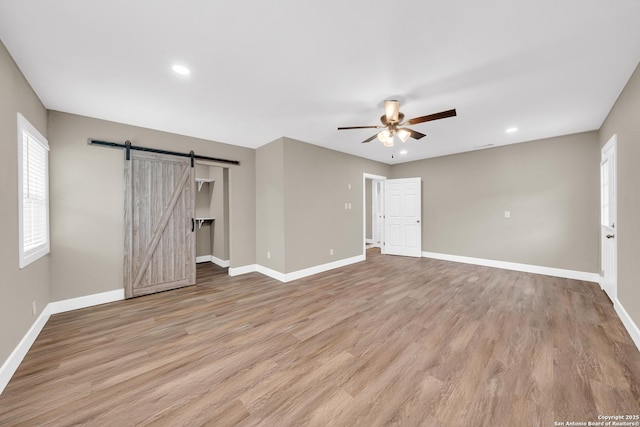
<point>201,181</point>
<point>203,220</point>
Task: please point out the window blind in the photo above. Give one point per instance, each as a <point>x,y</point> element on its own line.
<point>34,193</point>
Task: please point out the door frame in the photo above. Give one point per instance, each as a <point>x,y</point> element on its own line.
<point>377,211</point>
<point>610,288</point>
<point>227,219</point>
<point>373,177</point>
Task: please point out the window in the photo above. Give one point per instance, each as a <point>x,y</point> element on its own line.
<point>33,193</point>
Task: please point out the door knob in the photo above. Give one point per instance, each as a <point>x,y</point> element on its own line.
<point>610,236</point>
<point>418,221</point>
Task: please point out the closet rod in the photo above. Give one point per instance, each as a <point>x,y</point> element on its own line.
<point>127,146</point>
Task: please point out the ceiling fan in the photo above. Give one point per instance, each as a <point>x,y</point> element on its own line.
<point>392,123</point>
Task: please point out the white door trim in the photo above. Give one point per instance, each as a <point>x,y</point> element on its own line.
<point>377,212</point>
<point>366,176</point>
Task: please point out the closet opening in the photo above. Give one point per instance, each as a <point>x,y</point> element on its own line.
<point>212,214</point>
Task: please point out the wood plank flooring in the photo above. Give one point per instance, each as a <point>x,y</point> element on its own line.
<point>389,341</point>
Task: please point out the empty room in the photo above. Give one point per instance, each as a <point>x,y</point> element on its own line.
<point>319,213</point>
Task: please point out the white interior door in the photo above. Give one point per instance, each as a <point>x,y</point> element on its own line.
<point>608,218</point>
<point>403,217</point>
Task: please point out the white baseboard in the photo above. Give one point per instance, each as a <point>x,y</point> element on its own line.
<point>86,301</point>
<point>220,262</point>
<point>628,323</point>
<point>210,258</point>
<point>10,365</point>
<point>236,271</point>
<point>295,275</point>
<point>526,268</point>
<point>271,273</point>
<point>203,258</point>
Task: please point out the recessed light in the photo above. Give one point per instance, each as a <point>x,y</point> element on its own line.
<point>181,69</point>
<point>403,152</point>
<point>511,130</point>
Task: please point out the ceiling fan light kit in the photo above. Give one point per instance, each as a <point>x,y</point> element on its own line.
<point>403,134</point>
<point>386,137</point>
<point>392,119</point>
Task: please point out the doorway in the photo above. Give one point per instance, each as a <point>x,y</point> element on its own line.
<point>392,215</point>
<point>608,219</point>
<point>212,214</point>
<point>373,211</point>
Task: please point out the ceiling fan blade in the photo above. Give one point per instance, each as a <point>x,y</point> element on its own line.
<point>431,117</point>
<point>370,139</point>
<point>360,127</point>
<point>391,110</point>
<point>414,134</point>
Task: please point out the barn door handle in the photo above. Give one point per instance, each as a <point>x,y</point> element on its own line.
<point>193,225</point>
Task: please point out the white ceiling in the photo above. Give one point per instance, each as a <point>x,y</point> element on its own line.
<point>264,69</point>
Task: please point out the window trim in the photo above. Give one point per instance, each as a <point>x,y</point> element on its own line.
<point>26,258</point>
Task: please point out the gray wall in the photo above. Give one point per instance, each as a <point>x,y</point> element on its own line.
<point>623,120</point>
<point>316,188</point>
<point>18,288</point>
<point>550,186</point>
<point>270,205</point>
<point>301,191</point>
<point>204,236</point>
<point>219,209</point>
<point>87,200</point>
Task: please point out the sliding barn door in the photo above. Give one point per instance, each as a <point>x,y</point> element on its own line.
<point>159,230</point>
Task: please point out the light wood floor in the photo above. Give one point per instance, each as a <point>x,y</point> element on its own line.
<point>389,341</point>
